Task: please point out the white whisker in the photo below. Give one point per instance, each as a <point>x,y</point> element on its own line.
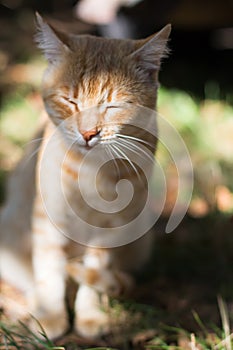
<point>135,139</point>
<point>122,153</point>
<point>131,146</point>
<point>69,136</point>
<point>26,161</point>
<point>108,149</point>
<point>114,151</point>
<point>32,141</point>
<point>69,133</point>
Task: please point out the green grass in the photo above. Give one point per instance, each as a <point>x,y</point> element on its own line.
<point>206,338</point>
<point>20,337</point>
<point>207,129</point>
<point>18,119</point>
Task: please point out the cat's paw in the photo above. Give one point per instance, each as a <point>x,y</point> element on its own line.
<point>91,321</point>
<point>92,324</point>
<point>53,325</point>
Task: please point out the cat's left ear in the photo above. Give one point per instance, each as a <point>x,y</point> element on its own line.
<point>150,51</point>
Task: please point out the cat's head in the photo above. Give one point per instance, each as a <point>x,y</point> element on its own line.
<point>96,82</point>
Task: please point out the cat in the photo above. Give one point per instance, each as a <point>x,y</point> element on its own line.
<point>92,91</point>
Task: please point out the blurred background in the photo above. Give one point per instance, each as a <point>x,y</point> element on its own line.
<point>195,263</point>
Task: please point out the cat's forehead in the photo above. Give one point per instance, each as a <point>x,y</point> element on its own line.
<point>97,67</point>
<point>106,46</point>
<point>93,53</point>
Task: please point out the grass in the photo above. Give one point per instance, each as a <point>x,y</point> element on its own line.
<point>207,339</point>
<point>20,337</point>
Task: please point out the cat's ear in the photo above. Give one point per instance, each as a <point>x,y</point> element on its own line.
<point>50,41</point>
<point>150,51</point>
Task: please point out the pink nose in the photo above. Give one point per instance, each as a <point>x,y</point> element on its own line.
<point>87,135</point>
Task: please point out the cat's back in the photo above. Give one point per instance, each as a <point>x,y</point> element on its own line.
<point>15,216</point>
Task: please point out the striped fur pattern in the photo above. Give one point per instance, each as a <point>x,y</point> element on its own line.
<point>84,72</point>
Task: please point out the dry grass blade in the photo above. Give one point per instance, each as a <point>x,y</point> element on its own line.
<point>225,324</point>
<point>224,342</point>
<point>193,342</point>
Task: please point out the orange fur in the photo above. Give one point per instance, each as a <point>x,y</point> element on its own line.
<point>91,89</point>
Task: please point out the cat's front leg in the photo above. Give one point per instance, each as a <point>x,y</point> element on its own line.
<point>49,275</point>
<point>98,280</point>
<point>91,318</point>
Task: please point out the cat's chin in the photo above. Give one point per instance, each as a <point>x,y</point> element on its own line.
<point>87,148</point>
<point>84,149</point>
<point>79,148</point>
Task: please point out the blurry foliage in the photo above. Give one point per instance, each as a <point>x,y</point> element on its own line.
<point>205,126</point>
<point>18,119</point>
<point>207,129</point>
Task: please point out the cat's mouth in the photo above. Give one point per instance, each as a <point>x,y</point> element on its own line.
<point>101,141</point>
<point>90,139</point>
<point>97,139</point>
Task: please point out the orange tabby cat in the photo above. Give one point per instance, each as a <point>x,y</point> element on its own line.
<point>92,90</point>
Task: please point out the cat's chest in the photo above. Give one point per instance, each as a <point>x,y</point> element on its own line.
<point>86,190</point>
<point>92,193</point>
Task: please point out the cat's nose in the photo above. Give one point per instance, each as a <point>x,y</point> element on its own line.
<point>88,135</point>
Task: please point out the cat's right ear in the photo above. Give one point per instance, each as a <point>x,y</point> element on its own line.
<point>150,51</point>
<point>50,41</point>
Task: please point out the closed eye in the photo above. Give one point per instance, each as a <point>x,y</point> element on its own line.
<point>72,100</point>
<point>112,106</point>
<point>119,105</point>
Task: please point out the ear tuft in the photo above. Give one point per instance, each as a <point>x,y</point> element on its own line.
<point>152,49</point>
<point>48,41</point>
